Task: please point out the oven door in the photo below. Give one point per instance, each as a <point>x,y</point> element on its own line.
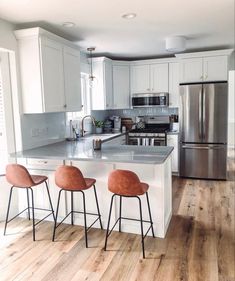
<point>147,141</point>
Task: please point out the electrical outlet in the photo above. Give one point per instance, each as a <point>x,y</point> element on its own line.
<point>34,132</point>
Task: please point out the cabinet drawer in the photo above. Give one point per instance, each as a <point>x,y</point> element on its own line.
<point>47,164</point>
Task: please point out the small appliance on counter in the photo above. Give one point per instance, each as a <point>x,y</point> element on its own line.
<point>140,122</point>
<point>108,126</point>
<point>174,126</point>
<point>116,124</point>
<point>127,122</point>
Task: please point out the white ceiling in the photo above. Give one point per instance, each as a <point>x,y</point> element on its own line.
<point>206,24</point>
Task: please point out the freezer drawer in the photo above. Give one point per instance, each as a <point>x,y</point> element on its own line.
<point>203,161</point>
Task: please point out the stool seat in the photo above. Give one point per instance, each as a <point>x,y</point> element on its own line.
<point>71,178</point>
<point>37,179</point>
<point>126,183</point>
<point>89,182</point>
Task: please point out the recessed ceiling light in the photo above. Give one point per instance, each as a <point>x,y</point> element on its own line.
<point>68,24</point>
<point>129,16</point>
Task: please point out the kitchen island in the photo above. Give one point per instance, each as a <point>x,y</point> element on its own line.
<point>152,165</point>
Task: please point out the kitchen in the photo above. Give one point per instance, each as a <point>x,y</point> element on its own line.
<point>141,94</point>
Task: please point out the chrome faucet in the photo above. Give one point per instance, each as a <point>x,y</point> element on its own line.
<point>82,129</point>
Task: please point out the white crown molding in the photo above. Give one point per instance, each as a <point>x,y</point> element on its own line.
<point>38,31</point>
<point>226,52</point>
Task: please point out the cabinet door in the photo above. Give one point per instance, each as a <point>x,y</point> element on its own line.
<point>172,140</point>
<point>159,77</point>
<point>121,86</point>
<point>191,70</point>
<point>215,68</point>
<point>52,75</point>
<point>72,79</point>
<point>140,79</point>
<point>102,93</point>
<point>174,80</point>
<point>108,84</point>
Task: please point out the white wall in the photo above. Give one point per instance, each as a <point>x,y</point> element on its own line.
<point>42,129</point>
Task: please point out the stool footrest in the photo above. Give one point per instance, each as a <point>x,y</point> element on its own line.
<point>31,209</point>
<point>131,219</point>
<point>78,212</point>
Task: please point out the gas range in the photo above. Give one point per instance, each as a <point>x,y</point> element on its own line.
<point>154,133</point>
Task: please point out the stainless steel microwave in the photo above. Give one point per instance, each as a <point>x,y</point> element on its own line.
<point>150,100</point>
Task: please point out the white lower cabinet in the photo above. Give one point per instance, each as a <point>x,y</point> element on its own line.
<point>173,140</point>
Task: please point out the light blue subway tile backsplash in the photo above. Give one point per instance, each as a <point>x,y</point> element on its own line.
<point>150,111</point>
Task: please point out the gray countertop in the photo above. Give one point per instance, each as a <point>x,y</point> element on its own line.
<point>82,151</point>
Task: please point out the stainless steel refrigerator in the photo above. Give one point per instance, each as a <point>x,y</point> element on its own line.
<point>203,130</point>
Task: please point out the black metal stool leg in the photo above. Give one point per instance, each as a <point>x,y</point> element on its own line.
<point>49,197</point>
<point>85,224</point>
<point>150,216</point>
<point>33,214</point>
<point>8,210</point>
<point>120,214</point>
<point>56,216</point>
<point>98,209</point>
<point>141,225</point>
<point>28,203</point>
<point>72,207</point>
<point>107,231</point>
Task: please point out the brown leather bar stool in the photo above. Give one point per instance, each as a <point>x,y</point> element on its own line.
<point>19,177</point>
<point>70,179</point>
<point>124,183</point>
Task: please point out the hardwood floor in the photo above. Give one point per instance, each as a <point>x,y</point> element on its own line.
<point>199,245</point>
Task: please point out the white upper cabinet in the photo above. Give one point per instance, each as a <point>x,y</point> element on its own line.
<point>140,79</point>
<point>159,77</point>
<point>52,75</point>
<point>72,81</point>
<point>191,70</point>
<point>174,80</point>
<point>215,68</point>
<point>102,93</point>
<point>149,78</point>
<point>50,72</point>
<point>121,86</point>
<point>204,66</point>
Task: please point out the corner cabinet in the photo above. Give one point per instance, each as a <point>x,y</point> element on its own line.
<point>102,92</point>
<point>50,72</point>
<point>121,86</point>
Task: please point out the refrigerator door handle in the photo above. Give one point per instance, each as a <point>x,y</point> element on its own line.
<point>200,114</point>
<point>202,147</point>
<point>203,114</point>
